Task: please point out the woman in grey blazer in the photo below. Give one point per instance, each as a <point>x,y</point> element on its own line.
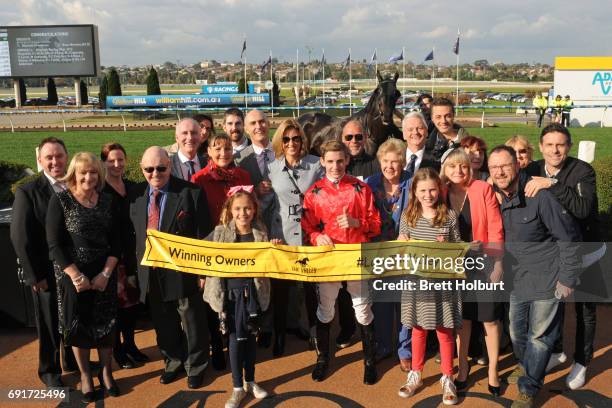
<point>291,174</point>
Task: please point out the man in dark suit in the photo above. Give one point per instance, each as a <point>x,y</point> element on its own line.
<point>187,162</point>
<point>172,205</point>
<point>414,128</point>
<point>30,241</point>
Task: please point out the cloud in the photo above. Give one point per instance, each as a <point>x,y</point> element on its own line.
<point>140,32</point>
<point>435,33</point>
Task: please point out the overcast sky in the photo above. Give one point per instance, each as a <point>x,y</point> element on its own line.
<point>139,32</point>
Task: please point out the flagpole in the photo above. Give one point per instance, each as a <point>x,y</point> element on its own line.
<point>246,83</point>
<point>350,86</point>
<point>271,80</point>
<point>457,46</point>
<point>323,62</point>
<point>403,70</point>
<point>297,80</point>
<point>376,69</point>
<point>433,70</point>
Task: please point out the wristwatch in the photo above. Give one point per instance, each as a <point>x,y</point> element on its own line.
<point>107,275</point>
<point>553,181</point>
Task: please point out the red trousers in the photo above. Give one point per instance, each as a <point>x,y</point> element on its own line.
<point>447,348</point>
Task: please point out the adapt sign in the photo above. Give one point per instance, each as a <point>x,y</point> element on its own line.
<point>603,79</point>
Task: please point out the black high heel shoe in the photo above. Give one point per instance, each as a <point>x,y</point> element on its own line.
<point>462,385</point>
<point>495,391</point>
<point>113,391</point>
<point>88,397</point>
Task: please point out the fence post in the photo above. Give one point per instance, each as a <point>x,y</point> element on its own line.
<point>482,120</point>
<point>603,116</point>
<point>124,125</point>
<point>12,126</point>
<point>63,121</point>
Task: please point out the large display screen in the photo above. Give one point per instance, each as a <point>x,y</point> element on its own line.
<point>49,51</point>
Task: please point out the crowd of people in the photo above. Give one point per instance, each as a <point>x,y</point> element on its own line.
<point>79,231</point>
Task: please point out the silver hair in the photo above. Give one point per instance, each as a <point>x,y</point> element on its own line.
<point>191,120</point>
<point>417,115</point>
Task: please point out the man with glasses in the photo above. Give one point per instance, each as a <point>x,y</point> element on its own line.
<point>170,204</point>
<point>354,137</point>
<point>187,162</point>
<point>542,265</point>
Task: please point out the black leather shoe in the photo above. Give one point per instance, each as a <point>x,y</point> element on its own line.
<point>195,381</point>
<point>320,370</point>
<point>113,391</point>
<point>279,346</point>
<point>264,340</point>
<point>88,397</point>
<point>168,377</point>
<point>495,391</point>
<point>123,360</point>
<point>53,382</point>
<point>137,355</point>
<point>462,385</point>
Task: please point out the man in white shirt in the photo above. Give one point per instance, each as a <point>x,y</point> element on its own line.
<point>186,162</point>
<point>414,129</point>
<point>233,126</point>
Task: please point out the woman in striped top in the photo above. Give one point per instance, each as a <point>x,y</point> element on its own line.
<point>428,218</point>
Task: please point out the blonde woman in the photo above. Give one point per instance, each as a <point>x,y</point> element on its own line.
<point>523,149</point>
<point>83,237</point>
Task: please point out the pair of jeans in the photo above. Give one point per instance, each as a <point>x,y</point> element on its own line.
<point>586,319</point>
<point>446,339</point>
<point>534,328</point>
<point>242,357</point>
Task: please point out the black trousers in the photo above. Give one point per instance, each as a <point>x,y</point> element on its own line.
<point>181,329</point>
<point>586,319</point>
<point>50,347</point>
<point>242,357</point>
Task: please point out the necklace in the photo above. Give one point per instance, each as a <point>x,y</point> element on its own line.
<point>87,201</point>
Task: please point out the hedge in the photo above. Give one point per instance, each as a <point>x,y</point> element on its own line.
<point>9,174</point>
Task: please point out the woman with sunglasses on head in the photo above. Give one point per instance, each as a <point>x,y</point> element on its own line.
<point>523,148</point>
<point>114,159</point>
<point>220,174</point>
<point>291,174</point>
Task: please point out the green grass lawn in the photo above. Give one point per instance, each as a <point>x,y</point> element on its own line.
<point>19,147</point>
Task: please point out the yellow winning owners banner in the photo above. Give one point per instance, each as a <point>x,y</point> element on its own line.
<point>304,263</point>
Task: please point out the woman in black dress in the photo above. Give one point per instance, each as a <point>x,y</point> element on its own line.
<point>83,237</point>
<point>125,352</point>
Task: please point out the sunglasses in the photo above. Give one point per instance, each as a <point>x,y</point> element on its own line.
<point>358,137</point>
<point>160,169</point>
<point>294,139</point>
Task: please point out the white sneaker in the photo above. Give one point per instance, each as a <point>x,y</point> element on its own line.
<point>555,360</point>
<point>413,383</point>
<point>238,395</point>
<point>577,376</point>
<point>449,391</point>
<point>255,390</point>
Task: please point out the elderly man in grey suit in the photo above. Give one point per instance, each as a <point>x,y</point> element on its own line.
<point>187,162</point>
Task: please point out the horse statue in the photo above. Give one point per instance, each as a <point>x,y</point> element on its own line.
<point>376,118</point>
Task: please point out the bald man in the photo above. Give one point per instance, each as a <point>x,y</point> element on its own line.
<point>169,204</point>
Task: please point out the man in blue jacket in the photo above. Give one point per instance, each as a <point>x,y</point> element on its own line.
<point>542,266</point>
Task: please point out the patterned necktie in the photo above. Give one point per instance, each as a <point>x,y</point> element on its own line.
<point>266,160</point>
<point>153,220</point>
<point>191,170</point>
<point>412,164</point>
